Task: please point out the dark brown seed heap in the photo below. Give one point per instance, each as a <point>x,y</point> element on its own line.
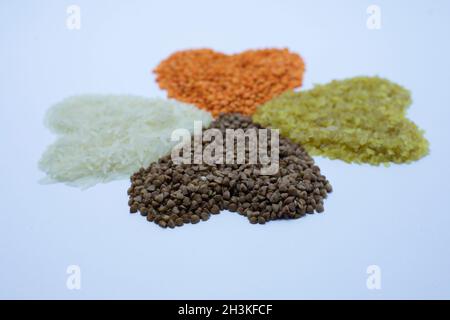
<point>172,195</point>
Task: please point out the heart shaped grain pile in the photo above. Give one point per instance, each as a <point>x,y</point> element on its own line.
<point>172,195</point>
<point>106,137</point>
<point>360,120</point>
<point>229,83</point>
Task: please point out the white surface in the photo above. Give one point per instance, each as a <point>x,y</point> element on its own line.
<point>394,217</point>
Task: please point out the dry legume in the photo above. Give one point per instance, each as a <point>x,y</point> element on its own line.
<point>229,83</point>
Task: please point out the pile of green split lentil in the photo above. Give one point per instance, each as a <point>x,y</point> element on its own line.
<point>172,195</point>
<point>360,120</point>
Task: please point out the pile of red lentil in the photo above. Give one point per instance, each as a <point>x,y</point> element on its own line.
<point>219,83</point>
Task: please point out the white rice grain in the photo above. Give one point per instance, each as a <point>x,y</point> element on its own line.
<point>108,137</point>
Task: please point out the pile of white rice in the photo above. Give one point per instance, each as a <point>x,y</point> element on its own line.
<point>107,137</point>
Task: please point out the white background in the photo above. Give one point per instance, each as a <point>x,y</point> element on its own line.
<point>396,217</point>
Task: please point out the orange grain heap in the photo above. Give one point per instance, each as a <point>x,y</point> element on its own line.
<point>229,83</point>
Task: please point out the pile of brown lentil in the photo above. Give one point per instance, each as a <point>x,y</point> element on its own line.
<point>172,195</point>
<point>229,83</point>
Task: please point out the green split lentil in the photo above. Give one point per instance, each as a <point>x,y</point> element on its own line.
<point>357,120</point>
